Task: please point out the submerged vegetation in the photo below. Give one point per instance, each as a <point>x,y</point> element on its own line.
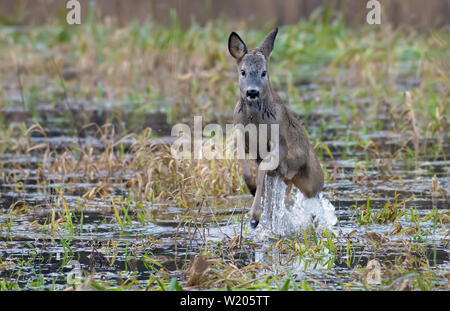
<point>87,177</point>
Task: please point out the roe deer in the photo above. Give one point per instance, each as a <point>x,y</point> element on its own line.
<point>259,104</point>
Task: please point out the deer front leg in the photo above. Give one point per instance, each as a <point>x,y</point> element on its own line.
<point>256,210</point>
<point>248,177</point>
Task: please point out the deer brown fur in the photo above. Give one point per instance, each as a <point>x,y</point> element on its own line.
<point>260,104</point>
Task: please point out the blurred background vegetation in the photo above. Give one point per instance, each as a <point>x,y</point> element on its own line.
<point>413,13</point>
<point>140,64</point>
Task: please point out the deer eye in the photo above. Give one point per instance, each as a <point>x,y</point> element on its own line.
<point>264,73</point>
<point>243,73</point>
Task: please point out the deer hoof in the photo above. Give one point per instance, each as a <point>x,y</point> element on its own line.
<point>254,223</point>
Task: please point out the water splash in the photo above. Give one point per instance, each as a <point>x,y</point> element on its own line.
<point>287,215</point>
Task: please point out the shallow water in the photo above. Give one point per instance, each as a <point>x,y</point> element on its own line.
<point>167,237</point>
<point>289,214</point>
<point>174,240</point>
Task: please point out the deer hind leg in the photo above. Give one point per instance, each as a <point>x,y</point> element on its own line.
<point>289,186</point>
<point>256,210</point>
<point>248,177</point>
<point>310,180</point>
<point>308,186</point>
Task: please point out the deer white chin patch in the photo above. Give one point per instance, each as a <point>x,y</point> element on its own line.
<point>252,100</point>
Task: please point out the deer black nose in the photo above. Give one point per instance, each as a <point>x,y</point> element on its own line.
<point>253,93</point>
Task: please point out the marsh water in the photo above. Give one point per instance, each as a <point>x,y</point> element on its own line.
<point>166,237</point>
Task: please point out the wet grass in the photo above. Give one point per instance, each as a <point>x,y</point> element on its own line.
<point>87,177</point>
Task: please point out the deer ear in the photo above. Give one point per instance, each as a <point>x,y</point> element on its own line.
<point>266,46</point>
<point>236,46</point>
